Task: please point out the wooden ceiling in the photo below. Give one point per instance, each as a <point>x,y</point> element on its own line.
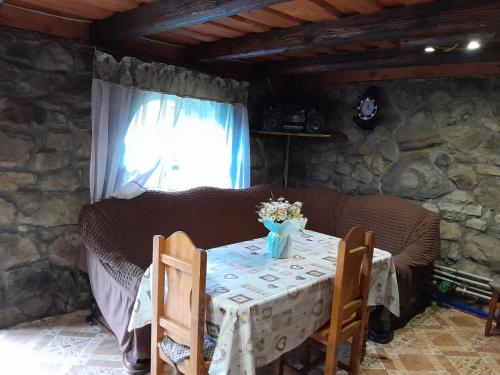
<point>280,15</point>
<point>253,38</point>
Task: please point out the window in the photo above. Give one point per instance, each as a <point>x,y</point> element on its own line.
<point>178,143</point>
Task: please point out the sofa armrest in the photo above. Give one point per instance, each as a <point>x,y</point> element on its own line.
<point>116,301</point>
<point>423,245</point>
<point>100,238</point>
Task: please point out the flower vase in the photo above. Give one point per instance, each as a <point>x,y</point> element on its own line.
<point>278,245</point>
<point>279,239</point>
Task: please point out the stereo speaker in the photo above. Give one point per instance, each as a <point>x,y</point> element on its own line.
<point>272,120</point>
<point>315,120</point>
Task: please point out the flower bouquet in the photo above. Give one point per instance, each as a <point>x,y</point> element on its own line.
<point>282,219</point>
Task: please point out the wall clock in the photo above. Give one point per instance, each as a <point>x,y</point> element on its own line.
<point>367,112</point>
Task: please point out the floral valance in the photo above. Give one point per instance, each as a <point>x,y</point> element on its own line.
<point>168,79</point>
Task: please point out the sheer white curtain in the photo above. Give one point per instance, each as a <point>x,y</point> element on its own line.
<point>149,140</point>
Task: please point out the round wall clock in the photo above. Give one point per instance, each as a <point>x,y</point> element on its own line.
<point>367,110</point>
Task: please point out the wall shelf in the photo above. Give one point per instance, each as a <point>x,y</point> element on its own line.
<point>333,137</point>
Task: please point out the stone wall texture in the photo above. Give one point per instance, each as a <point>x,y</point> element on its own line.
<point>267,160</point>
<point>267,153</point>
<point>45,139</point>
<point>437,144</point>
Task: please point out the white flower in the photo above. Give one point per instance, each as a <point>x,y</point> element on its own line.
<point>279,210</point>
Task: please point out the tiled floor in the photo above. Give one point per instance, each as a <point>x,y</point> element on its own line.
<point>438,342</point>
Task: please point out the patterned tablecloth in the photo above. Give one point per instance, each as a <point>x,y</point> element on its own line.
<point>259,307</point>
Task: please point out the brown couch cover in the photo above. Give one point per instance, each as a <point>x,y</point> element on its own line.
<point>117,237</point>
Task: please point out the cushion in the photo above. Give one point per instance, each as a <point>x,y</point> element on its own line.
<point>178,352</point>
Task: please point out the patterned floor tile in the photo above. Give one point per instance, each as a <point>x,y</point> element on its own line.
<point>473,366</point>
<point>438,342</point>
<point>416,362</point>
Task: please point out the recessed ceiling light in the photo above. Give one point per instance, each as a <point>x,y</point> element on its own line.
<point>429,49</point>
<point>473,44</point>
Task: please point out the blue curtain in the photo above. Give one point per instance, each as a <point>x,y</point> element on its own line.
<point>149,140</point>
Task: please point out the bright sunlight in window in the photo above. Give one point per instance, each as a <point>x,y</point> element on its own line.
<point>182,143</point>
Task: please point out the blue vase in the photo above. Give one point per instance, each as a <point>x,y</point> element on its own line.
<point>278,245</point>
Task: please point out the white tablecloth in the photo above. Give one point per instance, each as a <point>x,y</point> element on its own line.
<point>259,307</point>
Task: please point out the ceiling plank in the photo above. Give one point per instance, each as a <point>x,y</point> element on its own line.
<point>178,39</point>
<point>447,70</point>
<point>156,17</point>
<point>43,23</point>
<point>413,2</point>
<point>305,10</point>
<point>223,26</point>
<point>73,8</point>
<point>440,18</point>
<point>391,3</point>
<point>215,30</point>
<point>361,6</point>
<point>49,10</point>
<point>272,18</point>
<point>378,59</point>
<point>202,37</point>
<point>333,12</point>
<point>243,24</point>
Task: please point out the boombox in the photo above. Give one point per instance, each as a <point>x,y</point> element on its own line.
<point>293,119</point>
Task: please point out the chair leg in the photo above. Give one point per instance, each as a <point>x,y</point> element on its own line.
<point>157,365</point>
<point>331,360</point>
<point>357,352</point>
<point>366,322</point>
<point>154,363</point>
<point>491,313</point>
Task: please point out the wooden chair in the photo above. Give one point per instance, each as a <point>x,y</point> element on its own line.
<point>494,306</point>
<point>349,315</point>
<point>182,315</point>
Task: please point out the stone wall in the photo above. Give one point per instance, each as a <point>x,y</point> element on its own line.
<point>267,153</point>
<point>267,160</point>
<point>45,139</point>
<point>438,145</point>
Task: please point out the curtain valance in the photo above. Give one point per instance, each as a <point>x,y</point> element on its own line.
<point>168,79</point>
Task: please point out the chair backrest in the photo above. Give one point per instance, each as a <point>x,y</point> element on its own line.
<point>350,297</point>
<point>352,280</point>
<point>181,315</point>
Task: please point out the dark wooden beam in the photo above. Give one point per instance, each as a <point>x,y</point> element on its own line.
<point>147,49</point>
<point>240,71</point>
<point>160,16</point>
<point>314,82</point>
<point>378,59</point>
<point>449,41</point>
<point>443,17</point>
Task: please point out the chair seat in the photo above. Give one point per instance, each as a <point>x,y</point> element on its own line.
<point>321,335</point>
<point>178,353</point>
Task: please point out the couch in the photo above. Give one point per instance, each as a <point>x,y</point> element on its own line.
<point>117,238</point>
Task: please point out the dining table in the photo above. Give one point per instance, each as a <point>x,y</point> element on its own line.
<point>259,307</point>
